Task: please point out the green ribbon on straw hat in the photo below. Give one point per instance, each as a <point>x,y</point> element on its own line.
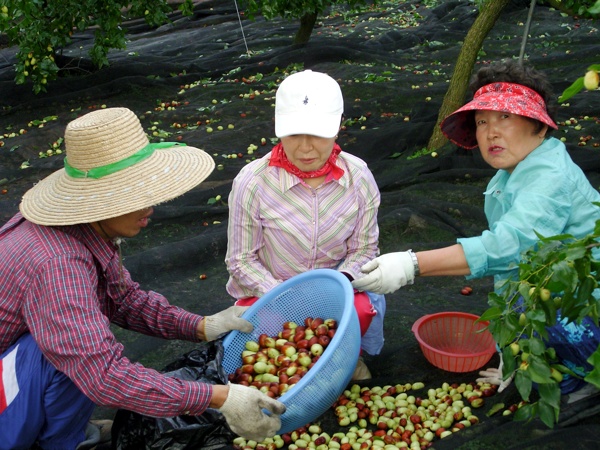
<point>102,171</point>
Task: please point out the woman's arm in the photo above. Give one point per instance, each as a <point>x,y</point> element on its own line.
<point>248,276</point>
<point>443,261</point>
<point>363,243</point>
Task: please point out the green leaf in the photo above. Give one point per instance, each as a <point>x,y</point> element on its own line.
<point>494,409</point>
<point>565,273</point>
<point>526,412</point>
<point>490,314</point>
<point>539,369</point>
<point>509,362</point>
<point>548,415</point>
<point>594,376</point>
<point>550,312</point>
<point>496,301</point>
<point>536,346</point>
<point>508,330</point>
<point>564,369</point>
<point>550,394</point>
<point>569,92</point>
<point>586,287</point>
<point>575,252</point>
<point>523,384</point>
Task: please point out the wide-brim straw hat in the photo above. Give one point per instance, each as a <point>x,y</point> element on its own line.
<point>512,98</point>
<point>111,169</point>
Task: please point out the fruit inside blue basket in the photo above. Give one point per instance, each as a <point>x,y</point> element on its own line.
<point>274,364</point>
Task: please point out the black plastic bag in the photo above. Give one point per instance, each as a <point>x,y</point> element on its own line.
<point>133,431</point>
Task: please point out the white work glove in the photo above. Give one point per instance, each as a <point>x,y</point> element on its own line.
<point>224,321</point>
<point>243,411</point>
<point>494,376</point>
<point>386,273</point>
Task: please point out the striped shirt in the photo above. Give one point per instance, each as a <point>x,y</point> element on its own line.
<point>280,227</point>
<point>63,285</point>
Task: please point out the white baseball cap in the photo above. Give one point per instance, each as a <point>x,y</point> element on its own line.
<point>308,103</point>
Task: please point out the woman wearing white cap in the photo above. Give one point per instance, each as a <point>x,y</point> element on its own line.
<point>537,188</point>
<point>306,205</point>
<point>63,284</point>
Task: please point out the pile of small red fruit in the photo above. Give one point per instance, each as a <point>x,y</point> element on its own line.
<point>273,364</point>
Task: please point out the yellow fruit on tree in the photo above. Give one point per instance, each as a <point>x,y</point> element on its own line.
<point>591,80</point>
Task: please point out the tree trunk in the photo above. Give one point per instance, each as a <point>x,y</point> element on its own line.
<point>307,23</point>
<point>457,89</point>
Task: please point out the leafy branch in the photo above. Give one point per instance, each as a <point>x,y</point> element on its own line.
<point>557,275</point>
<point>589,81</point>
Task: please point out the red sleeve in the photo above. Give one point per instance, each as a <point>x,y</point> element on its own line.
<point>64,314</point>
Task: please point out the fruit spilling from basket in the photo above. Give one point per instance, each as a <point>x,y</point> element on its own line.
<point>273,364</point>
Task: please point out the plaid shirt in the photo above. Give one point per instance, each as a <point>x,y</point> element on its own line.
<point>64,286</point>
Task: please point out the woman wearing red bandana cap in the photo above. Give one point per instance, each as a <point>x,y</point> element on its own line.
<point>537,188</point>
<point>306,205</point>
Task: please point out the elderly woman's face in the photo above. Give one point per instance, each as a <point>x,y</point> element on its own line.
<point>505,139</point>
<point>307,152</point>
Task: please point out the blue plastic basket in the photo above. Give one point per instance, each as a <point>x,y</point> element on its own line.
<point>324,293</point>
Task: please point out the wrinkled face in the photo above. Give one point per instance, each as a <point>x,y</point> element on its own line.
<point>307,152</point>
<point>127,225</point>
<point>505,139</point>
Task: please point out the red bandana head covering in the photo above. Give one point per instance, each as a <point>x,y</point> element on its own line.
<point>512,98</point>
<point>279,159</point>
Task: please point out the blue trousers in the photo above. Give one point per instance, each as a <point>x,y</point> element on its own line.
<point>39,404</point>
<point>372,341</point>
<point>574,344</point>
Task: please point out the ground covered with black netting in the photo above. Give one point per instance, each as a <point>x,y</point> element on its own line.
<point>204,82</point>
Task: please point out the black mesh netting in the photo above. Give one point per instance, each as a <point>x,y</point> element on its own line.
<point>393,62</point>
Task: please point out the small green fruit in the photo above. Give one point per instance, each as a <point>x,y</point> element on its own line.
<point>522,320</point>
<point>545,294</point>
<point>556,375</point>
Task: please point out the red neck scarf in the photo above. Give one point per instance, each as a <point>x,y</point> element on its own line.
<point>279,159</point>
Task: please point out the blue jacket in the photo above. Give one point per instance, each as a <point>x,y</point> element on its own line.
<point>548,193</point>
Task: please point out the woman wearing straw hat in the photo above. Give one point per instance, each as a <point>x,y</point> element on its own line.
<point>63,284</point>
<point>306,205</point>
<point>537,188</point>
